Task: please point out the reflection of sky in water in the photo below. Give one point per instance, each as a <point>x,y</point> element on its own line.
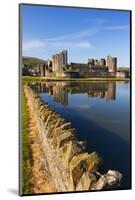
<point>104,125</point>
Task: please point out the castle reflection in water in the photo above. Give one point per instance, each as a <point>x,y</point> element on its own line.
<point>60,90</point>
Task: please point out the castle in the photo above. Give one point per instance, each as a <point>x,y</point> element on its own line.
<point>58,67</point>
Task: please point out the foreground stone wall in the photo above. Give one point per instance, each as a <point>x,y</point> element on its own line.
<point>71,167</point>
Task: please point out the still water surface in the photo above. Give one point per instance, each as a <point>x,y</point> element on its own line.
<point>100,111</point>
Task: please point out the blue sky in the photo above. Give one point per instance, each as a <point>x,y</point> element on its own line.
<point>85,33</point>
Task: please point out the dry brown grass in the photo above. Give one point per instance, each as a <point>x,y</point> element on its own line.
<point>40,179</point>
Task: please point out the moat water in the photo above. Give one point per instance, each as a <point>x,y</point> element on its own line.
<point>100,112</point>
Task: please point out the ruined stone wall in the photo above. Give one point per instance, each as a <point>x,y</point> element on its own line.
<point>71,167</point>
<point>122,74</point>
<point>98,74</point>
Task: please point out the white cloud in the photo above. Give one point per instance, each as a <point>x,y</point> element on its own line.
<point>45,45</point>
<point>33,44</point>
<point>76,35</point>
<point>120,27</point>
<point>72,40</point>
<point>70,44</point>
<point>98,21</point>
<point>84,45</point>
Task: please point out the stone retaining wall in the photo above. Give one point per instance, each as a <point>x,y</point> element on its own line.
<point>71,167</point>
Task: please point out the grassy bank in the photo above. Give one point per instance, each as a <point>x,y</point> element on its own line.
<point>30,78</point>
<point>25,152</point>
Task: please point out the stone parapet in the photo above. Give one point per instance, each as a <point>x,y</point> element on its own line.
<point>71,167</point>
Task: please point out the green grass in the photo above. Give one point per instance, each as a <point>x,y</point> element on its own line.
<point>30,79</point>
<point>32,60</point>
<point>25,149</point>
